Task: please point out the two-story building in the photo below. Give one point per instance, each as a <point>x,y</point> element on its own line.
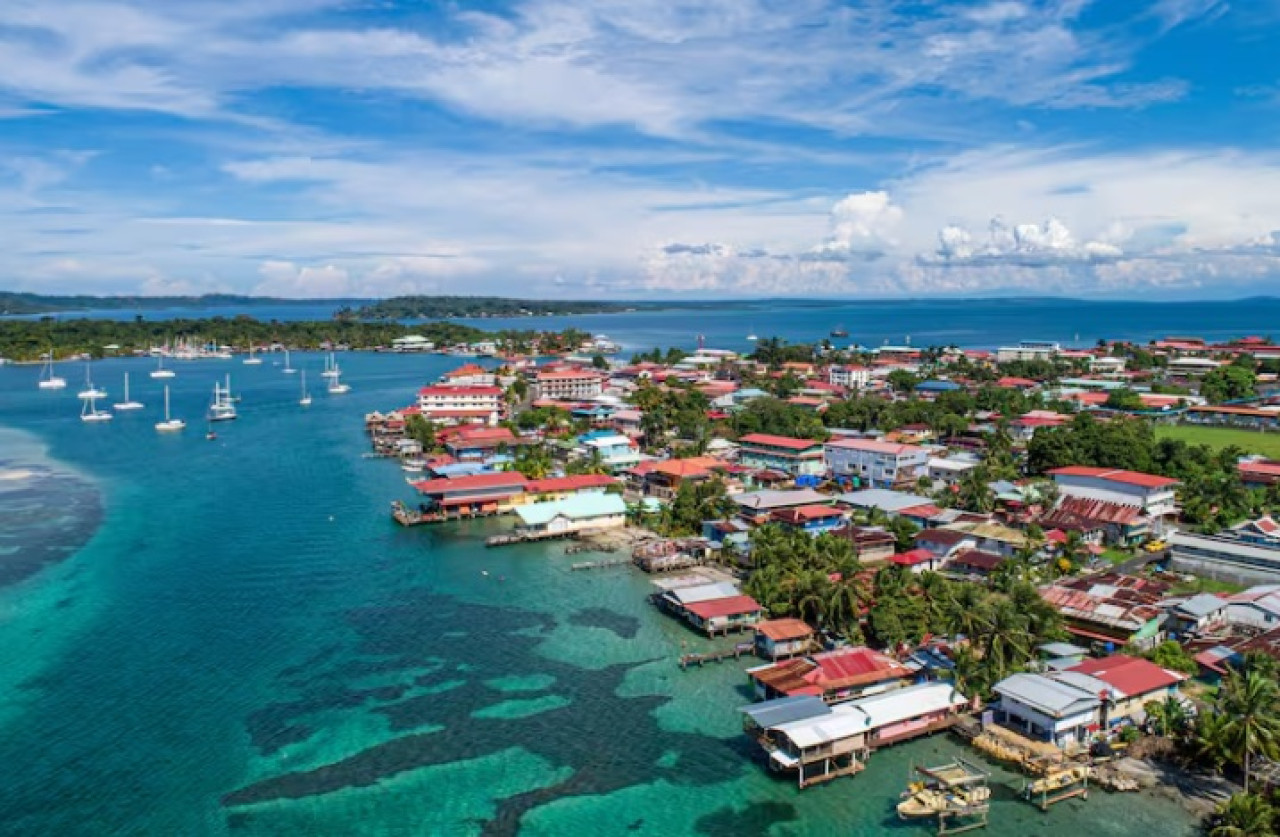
<point>612,450</point>
<point>1153,495</point>
<point>874,463</point>
<point>851,377</point>
<point>789,455</point>
<point>814,519</point>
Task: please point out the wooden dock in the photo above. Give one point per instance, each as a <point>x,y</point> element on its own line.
<point>738,650</point>
<point>597,565</point>
<point>528,537</point>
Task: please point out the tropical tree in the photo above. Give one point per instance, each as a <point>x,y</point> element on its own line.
<point>1243,815</point>
<point>1249,700</point>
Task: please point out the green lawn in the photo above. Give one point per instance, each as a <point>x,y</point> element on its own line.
<point>1267,444</point>
<point>1205,585</point>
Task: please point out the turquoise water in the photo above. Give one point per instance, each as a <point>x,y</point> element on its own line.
<point>244,644</point>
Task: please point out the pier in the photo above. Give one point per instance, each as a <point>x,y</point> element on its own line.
<point>738,650</point>
<point>597,565</point>
<point>528,537</point>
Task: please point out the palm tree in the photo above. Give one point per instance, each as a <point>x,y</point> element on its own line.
<point>1211,743</point>
<point>1168,717</point>
<point>1249,701</point>
<point>1243,815</point>
<point>1005,645</point>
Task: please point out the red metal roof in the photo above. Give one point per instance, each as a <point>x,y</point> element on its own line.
<point>1083,514</point>
<point>800,514</point>
<point>767,440</point>
<point>476,482</point>
<point>873,446</point>
<point>1129,675</point>
<point>445,390</point>
<point>784,630</point>
<point>855,664</point>
<point>575,482</point>
<point>1115,475</point>
<point>924,510</point>
<point>913,557</point>
<point>978,559</point>
<point>728,606</point>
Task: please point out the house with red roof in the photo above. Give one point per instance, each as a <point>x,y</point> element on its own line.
<point>479,494</point>
<point>834,676</point>
<point>1259,472</point>
<point>473,442</point>
<point>1129,684</point>
<point>469,375</point>
<point>917,560</point>
<point>776,638</point>
<point>1153,495</point>
<point>814,518</point>
<point>787,454</point>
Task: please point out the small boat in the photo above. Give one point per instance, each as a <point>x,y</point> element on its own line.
<point>210,434</point>
<point>958,789</point>
<point>169,423</point>
<point>48,380</point>
<point>305,400</point>
<point>336,387</point>
<point>251,360</point>
<point>90,391</point>
<point>160,371</point>
<point>90,411</point>
<point>414,466</point>
<point>127,403</point>
<point>839,332</point>
<point>288,370</point>
<point>752,337</point>
<point>222,408</point>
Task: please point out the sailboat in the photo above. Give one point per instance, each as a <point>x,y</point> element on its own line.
<point>330,367</point>
<point>752,336</point>
<point>305,400</point>
<point>288,370</point>
<point>169,423</point>
<point>90,391</point>
<point>222,408</point>
<point>48,380</point>
<point>160,371</point>
<point>127,403</point>
<point>251,360</point>
<point>336,387</point>
<point>90,411</point>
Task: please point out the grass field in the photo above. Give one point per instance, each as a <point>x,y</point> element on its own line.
<point>1267,444</point>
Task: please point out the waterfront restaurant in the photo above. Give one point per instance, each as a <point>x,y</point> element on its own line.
<point>834,676</point>
<point>821,742</point>
<point>578,513</point>
<point>481,494</point>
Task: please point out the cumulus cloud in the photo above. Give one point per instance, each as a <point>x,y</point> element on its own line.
<point>862,226</point>
<point>1029,244</point>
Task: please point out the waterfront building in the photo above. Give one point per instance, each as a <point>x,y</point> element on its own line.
<point>1046,709</point>
<point>473,442</point>
<point>412,343</point>
<point>447,404</point>
<point>481,494</point>
<point>579,513</point>
<point>874,463</point>
<point>791,456</point>
<point>787,637</point>
<point>715,607</point>
<point>821,742</point>
<point>834,676</point>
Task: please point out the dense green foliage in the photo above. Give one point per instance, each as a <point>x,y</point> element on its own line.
<point>28,303</point>
<point>1229,383</point>
<point>445,307</point>
<point>29,339</point>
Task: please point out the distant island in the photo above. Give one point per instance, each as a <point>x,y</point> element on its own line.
<point>451,307</point>
<point>28,340</point>
<point>13,302</point>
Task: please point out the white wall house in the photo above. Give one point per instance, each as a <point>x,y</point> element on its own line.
<point>458,405</point>
<point>849,377</point>
<point>1153,494</point>
<point>880,464</point>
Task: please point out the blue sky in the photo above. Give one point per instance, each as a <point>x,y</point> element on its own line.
<point>634,148</point>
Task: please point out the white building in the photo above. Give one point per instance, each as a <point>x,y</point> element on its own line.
<point>1028,350</point>
<point>412,343</point>
<point>1046,709</point>
<point>1192,365</point>
<point>1152,494</point>
<point>949,470</point>
<point>573,514</point>
<point>849,377</point>
<point>880,464</point>
<point>461,405</point>
<point>569,385</point>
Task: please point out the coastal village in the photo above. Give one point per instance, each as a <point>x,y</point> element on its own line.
<point>1067,557</point>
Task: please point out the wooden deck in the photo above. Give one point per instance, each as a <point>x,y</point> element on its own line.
<point>738,650</point>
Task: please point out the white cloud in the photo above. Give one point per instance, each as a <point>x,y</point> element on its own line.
<point>861,224</point>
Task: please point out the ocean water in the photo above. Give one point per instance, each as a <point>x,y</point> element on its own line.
<point>231,637</point>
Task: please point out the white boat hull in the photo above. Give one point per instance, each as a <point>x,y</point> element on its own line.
<point>54,383</point>
<point>169,426</point>
<point>99,416</point>
<point>128,405</point>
